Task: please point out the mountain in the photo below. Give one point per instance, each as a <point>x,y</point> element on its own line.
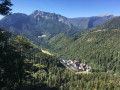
<point>38,14</point>
<point>42,71</point>
<point>112,24</point>
<point>18,58</point>
<point>109,25</point>
<point>87,22</point>
<point>38,26</point>
<point>45,72</point>
<point>99,47</point>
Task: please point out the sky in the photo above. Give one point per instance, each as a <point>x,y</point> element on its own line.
<point>68,8</point>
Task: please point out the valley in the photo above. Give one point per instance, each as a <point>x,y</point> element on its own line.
<point>49,50</point>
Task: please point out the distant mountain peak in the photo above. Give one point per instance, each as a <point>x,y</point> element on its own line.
<point>42,13</point>
<point>105,15</point>
<point>37,12</point>
<point>48,15</point>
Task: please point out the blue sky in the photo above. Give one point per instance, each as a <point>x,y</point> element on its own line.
<point>68,8</point>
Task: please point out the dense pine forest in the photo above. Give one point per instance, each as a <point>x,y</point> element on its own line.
<point>98,47</point>
<point>23,65</point>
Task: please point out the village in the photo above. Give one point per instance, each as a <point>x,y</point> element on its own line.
<point>75,66</point>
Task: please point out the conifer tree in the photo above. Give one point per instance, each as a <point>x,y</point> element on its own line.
<point>5,7</point>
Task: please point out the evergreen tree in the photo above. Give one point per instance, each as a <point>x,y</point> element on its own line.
<point>5,7</point>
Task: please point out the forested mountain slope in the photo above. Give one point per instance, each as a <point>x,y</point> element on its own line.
<point>112,24</point>
<point>22,65</point>
<point>59,42</point>
<point>38,26</point>
<point>26,68</point>
<point>98,47</point>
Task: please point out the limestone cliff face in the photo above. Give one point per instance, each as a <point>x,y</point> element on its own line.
<point>40,14</point>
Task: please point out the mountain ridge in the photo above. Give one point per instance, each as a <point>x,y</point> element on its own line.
<point>88,22</point>
<point>37,24</point>
<point>48,15</point>
<point>40,23</point>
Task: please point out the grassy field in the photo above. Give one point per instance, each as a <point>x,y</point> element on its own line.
<point>83,72</point>
<point>46,52</point>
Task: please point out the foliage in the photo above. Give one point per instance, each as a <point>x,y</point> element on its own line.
<point>12,62</point>
<point>99,49</point>
<point>28,69</point>
<point>5,7</point>
<point>23,66</point>
<point>58,42</point>
<point>50,71</point>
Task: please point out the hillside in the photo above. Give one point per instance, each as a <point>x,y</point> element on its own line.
<point>112,24</point>
<point>47,51</point>
<point>59,42</point>
<point>88,22</point>
<point>2,30</point>
<point>42,71</point>
<point>99,49</point>
<point>37,25</point>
